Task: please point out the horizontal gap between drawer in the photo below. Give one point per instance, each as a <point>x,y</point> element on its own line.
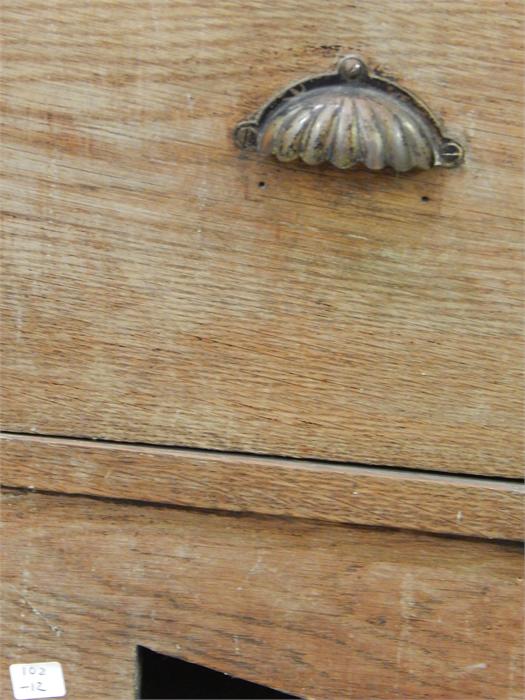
<point>137,503</point>
<point>376,468</point>
<point>219,481</point>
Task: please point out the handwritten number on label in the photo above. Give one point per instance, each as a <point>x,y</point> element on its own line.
<point>34,687</point>
<point>32,670</point>
<point>38,680</point>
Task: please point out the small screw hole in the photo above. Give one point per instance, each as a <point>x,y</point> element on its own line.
<point>424,198</point>
<point>262,184</point>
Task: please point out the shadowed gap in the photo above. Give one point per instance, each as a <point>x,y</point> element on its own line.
<point>162,677</point>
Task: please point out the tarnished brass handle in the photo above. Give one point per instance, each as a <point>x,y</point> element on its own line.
<point>349,117</point>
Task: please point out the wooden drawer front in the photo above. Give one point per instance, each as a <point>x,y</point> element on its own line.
<point>162,287</point>
<point>320,611</point>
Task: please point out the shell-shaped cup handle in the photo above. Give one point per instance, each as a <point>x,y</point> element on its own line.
<point>349,117</point>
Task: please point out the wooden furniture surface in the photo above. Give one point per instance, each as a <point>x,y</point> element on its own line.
<point>162,287</point>
<point>421,501</point>
<point>264,417</point>
<point>320,611</point>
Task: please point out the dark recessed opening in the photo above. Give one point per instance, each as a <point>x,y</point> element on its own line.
<point>262,184</point>
<point>163,677</point>
<point>424,198</point>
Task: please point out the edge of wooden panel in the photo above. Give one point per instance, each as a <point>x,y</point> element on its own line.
<point>446,504</point>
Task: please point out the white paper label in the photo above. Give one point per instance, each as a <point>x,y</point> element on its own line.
<point>39,680</point>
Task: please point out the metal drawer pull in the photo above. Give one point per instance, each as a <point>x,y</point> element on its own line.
<point>349,117</point>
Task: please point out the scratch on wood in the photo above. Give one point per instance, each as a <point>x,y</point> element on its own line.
<point>54,628</point>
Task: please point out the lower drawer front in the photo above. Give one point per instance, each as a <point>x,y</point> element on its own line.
<point>316,610</point>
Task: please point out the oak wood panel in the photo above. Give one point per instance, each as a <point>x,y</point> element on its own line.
<point>347,494</point>
<point>321,611</point>
<point>161,287</point>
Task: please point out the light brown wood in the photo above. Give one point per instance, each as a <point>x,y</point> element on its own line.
<point>316,490</point>
<point>162,287</point>
<point>321,611</point>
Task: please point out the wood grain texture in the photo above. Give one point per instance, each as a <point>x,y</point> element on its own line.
<point>346,494</point>
<point>161,287</point>
<point>321,611</point>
